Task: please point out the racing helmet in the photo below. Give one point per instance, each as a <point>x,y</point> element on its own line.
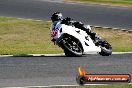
<point>56,16</point>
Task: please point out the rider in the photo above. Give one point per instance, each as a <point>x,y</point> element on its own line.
<point>57,17</point>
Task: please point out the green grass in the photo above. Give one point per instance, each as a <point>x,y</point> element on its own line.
<point>121,41</point>
<point>110,86</point>
<point>119,2</point>
<point>21,36</point>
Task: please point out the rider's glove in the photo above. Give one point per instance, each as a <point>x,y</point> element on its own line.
<point>53,40</point>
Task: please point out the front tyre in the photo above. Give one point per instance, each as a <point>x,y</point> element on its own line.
<point>71,46</point>
<point>106,48</point>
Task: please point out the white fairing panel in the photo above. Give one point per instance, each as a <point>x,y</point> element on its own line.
<point>86,41</point>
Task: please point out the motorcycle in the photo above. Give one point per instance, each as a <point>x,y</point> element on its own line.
<point>76,42</point>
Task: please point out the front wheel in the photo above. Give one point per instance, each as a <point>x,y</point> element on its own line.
<point>71,46</point>
<point>106,48</point>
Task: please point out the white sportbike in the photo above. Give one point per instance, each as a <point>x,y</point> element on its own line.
<point>76,42</point>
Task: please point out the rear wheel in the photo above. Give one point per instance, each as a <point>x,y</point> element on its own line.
<point>71,46</point>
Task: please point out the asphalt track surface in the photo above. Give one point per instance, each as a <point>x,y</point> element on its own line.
<point>61,70</point>
<point>119,17</point>
<point>58,70</point>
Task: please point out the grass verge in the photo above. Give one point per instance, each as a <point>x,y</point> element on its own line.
<point>21,36</point>
<point>110,2</point>
<point>111,86</point>
<point>121,41</point>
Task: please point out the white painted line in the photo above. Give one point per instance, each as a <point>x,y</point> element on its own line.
<point>116,28</point>
<point>6,55</point>
<point>60,86</point>
<point>14,87</point>
<point>107,27</point>
<point>20,18</point>
<point>121,52</point>
<point>47,54</point>
<point>52,86</point>
<point>112,28</point>
<point>97,26</point>
<point>61,54</point>
<point>130,31</point>
<point>44,86</point>
<point>55,54</point>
